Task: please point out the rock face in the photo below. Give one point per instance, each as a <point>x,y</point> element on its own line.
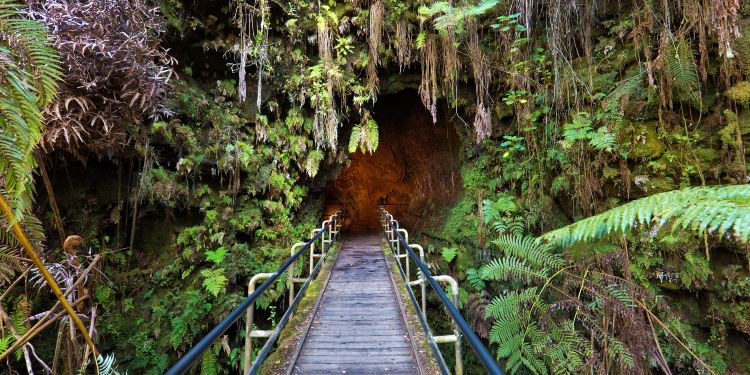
<point>413,173</point>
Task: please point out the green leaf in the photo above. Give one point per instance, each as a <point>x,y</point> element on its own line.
<point>216,256</point>
<point>449,253</point>
<point>214,281</point>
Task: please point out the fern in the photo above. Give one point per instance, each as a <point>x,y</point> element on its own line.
<point>5,342</point>
<point>475,279</point>
<point>214,281</point>
<point>216,256</point>
<point>618,351</point>
<point>620,293</point>
<point>510,227</point>
<point>312,164</point>
<point>449,253</point>
<point>209,363</point>
<point>721,210</point>
<point>603,139</point>
<point>364,137</point>
<point>19,317</point>
<point>510,267</point>
<point>682,70</point>
<point>28,82</point>
<point>530,250</point>
<point>447,16</point>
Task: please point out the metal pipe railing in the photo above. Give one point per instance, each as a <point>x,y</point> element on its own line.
<point>186,362</point>
<point>390,227</point>
<point>273,335</point>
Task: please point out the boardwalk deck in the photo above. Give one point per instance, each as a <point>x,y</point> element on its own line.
<point>358,327</point>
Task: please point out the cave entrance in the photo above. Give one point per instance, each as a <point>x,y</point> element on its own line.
<point>413,173</point>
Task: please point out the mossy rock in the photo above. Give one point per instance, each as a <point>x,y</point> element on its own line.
<point>668,285</point>
<point>707,155</point>
<point>647,145</point>
<point>395,83</point>
<point>742,45</point>
<point>659,185</point>
<point>624,58</point>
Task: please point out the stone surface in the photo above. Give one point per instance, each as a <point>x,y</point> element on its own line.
<point>415,170</point>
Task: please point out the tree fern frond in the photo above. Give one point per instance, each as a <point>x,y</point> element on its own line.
<point>507,267</point>
<point>711,209</point>
<point>28,74</point>
<point>618,352</point>
<point>510,304</point>
<point>529,249</point>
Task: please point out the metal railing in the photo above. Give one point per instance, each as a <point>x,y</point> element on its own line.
<point>398,237</point>
<point>327,234</point>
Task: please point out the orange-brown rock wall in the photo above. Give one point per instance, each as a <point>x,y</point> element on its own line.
<point>414,172</point>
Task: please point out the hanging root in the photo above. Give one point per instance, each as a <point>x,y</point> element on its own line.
<point>482,80</point>
<point>451,63</point>
<point>428,85</point>
<point>404,44</point>
<point>373,41</point>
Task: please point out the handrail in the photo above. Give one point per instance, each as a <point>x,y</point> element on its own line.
<point>194,354</point>
<point>488,361</point>
<point>274,334</point>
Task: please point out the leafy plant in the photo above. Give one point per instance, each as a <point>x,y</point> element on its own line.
<point>475,279</point>
<point>364,136</point>
<point>216,256</point>
<point>209,363</point>
<point>681,69</point>
<point>449,253</point>
<point>525,326</point>
<point>509,23</point>
<point>712,209</point>
<point>449,16</point>
<point>214,280</point>
<point>29,73</point>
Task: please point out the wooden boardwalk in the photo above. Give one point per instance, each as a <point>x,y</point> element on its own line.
<point>358,327</point>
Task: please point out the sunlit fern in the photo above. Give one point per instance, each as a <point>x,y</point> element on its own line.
<point>364,137</point>
<point>722,210</point>
<point>29,70</point>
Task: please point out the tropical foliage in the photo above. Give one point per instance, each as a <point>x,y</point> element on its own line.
<point>28,82</point>
<point>593,208</point>
<point>723,210</point>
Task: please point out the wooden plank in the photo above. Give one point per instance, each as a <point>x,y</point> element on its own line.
<point>358,328</point>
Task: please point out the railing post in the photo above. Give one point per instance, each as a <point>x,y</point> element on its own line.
<point>456,332</point>
<point>421,280</point>
<point>405,255</point>
<point>290,273</point>
<point>461,328</point>
<point>312,246</point>
<point>249,317</point>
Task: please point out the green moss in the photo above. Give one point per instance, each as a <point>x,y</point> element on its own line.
<point>461,224</point>
<point>646,143</point>
<point>740,93</point>
<point>289,338</point>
